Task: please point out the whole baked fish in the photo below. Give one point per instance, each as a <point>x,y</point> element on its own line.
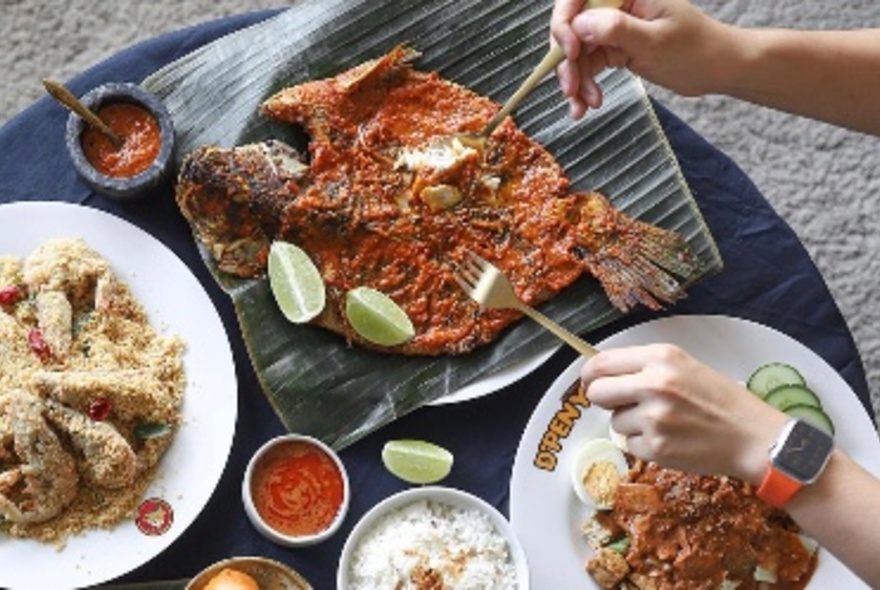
<point>387,198</point>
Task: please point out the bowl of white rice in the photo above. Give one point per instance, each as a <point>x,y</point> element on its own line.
<point>432,537</point>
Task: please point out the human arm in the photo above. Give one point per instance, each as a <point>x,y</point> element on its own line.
<point>826,75</point>
<point>682,414</point>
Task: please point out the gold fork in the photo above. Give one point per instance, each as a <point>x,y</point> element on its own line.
<point>488,286</point>
<point>554,56</point>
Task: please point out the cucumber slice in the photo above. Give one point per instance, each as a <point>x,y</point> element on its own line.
<point>768,377</point>
<point>813,415</point>
<point>786,396</point>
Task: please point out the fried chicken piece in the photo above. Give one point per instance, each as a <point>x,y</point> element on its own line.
<point>46,481</point>
<point>132,393</point>
<point>107,459</point>
<point>608,568</point>
<point>55,319</point>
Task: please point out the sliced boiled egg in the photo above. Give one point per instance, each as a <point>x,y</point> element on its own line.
<point>597,469</point>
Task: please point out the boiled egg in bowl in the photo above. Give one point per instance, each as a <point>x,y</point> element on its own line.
<point>597,469</point>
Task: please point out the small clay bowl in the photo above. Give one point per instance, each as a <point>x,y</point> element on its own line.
<point>301,467</point>
<point>267,573</point>
<point>122,187</point>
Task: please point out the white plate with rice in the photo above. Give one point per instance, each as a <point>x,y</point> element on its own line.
<point>433,529</point>
<point>544,510</point>
<point>175,303</point>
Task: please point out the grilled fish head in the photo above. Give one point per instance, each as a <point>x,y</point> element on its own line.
<point>233,199</point>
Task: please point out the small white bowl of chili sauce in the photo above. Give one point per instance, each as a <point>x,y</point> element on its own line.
<point>295,490</point>
<point>143,160</point>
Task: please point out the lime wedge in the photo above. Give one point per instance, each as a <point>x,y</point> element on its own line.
<point>377,318</point>
<point>295,282</point>
<point>417,461</point>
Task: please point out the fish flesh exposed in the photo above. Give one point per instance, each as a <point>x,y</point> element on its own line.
<point>385,198</point>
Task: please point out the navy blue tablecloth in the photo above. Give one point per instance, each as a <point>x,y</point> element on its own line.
<point>768,278</point>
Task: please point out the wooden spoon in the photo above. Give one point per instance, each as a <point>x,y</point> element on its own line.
<point>66,97</point>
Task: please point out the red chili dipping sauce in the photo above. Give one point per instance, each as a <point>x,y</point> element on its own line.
<point>141,140</point>
<point>297,488</point>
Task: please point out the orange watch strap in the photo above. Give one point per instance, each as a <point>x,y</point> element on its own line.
<point>778,489</point>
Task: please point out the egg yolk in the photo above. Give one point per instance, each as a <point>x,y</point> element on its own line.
<point>600,480</point>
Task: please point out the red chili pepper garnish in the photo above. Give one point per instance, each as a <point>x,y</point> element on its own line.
<point>11,295</point>
<point>99,409</point>
<point>38,345</point>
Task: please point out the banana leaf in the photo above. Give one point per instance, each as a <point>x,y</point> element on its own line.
<point>317,383</point>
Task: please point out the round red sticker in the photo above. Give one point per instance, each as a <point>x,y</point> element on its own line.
<point>154,517</point>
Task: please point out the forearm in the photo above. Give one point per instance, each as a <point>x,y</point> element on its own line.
<point>834,511</point>
<point>680,413</point>
<point>832,76</point>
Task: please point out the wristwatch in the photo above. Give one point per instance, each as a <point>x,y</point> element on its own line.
<point>797,458</point>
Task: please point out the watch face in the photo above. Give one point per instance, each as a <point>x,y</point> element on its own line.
<point>804,453</point>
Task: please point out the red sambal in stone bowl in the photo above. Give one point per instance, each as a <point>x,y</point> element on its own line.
<point>133,167</point>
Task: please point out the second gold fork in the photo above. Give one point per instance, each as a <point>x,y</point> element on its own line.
<point>489,287</point>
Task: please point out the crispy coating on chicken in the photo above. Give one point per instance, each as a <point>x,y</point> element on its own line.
<point>90,394</point>
<point>106,457</point>
<point>46,482</point>
<point>133,393</point>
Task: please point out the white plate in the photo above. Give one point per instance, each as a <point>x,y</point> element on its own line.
<point>188,473</point>
<point>545,512</point>
<point>495,381</point>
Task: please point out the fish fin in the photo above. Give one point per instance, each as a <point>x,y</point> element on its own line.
<point>399,57</point>
<point>309,104</point>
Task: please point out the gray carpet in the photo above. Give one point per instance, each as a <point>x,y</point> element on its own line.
<point>825,181</point>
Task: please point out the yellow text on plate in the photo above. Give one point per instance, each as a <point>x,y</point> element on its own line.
<point>560,427</point>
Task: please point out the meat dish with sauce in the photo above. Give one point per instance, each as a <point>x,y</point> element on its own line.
<point>388,198</point>
<point>668,529</point>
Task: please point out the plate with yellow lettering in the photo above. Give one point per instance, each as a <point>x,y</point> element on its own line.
<point>546,514</point>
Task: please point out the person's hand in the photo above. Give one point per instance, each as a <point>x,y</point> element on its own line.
<point>669,42</point>
<point>682,414</point>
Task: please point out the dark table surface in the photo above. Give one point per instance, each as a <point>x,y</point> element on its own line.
<point>768,278</point>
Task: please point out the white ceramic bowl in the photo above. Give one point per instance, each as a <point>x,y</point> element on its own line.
<point>261,525</point>
<point>444,495</point>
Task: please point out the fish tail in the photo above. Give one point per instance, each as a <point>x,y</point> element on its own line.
<point>637,263</point>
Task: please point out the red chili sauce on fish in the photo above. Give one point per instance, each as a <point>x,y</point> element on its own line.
<point>141,140</point>
<point>407,264</point>
<point>693,531</point>
<point>383,205</point>
<point>297,489</point>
